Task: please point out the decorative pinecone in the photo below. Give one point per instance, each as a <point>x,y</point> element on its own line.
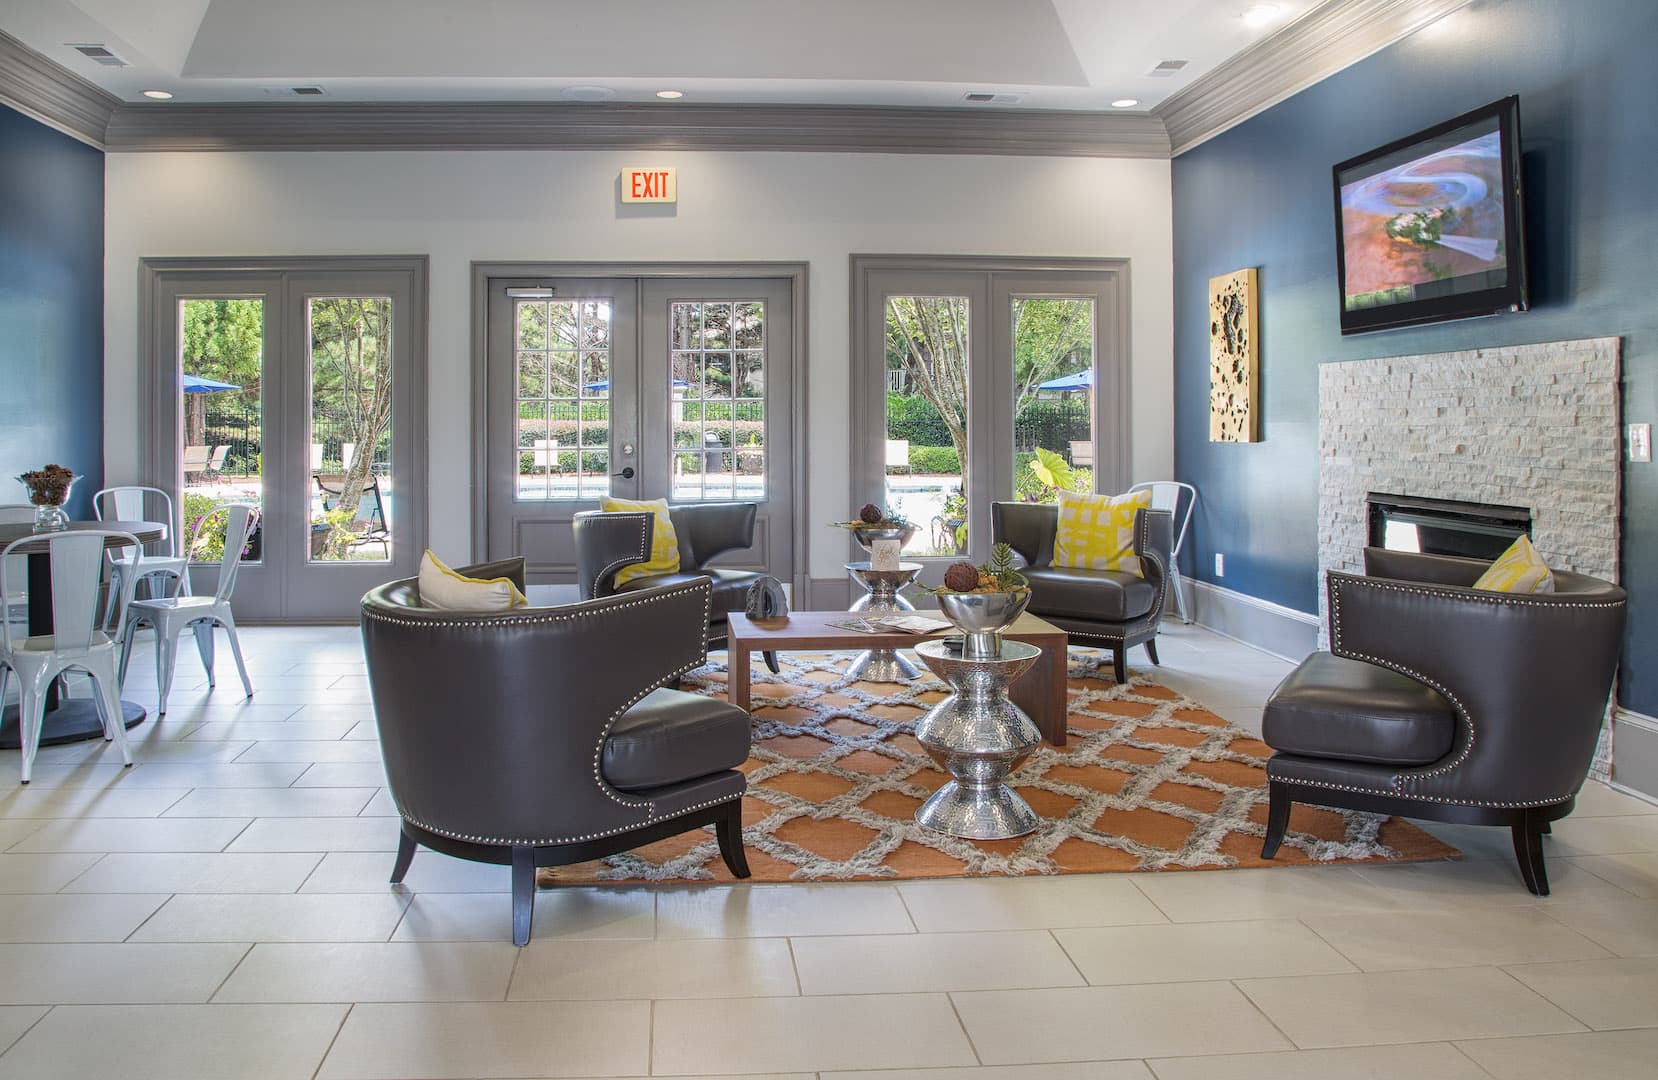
<point>870,514</point>
<point>961,577</point>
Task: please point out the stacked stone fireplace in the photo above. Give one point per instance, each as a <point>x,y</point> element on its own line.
<point>1532,426</point>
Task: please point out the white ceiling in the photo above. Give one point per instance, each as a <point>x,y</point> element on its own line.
<point>1053,54</point>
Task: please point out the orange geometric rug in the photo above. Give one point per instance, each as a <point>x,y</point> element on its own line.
<point>1148,780</point>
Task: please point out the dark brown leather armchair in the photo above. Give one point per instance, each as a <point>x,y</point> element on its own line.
<point>1110,608</point>
<point>542,736</point>
<point>606,543</point>
<point>1444,702</point>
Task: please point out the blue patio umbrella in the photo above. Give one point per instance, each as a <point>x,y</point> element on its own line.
<point>1081,380</point>
<point>604,384</point>
<point>195,384</point>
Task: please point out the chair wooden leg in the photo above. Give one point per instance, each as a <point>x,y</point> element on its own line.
<point>1528,850</point>
<point>729,829</point>
<point>1151,651</point>
<point>771,662</point>
<point>523,892</point>
<point>1119,664</point>
<point>405,855</point>
<point>1278,818</point>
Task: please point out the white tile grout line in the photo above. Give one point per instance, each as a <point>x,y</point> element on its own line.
<point>971,1045</point>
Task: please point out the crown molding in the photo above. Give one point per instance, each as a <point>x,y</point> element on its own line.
<point>1314,47</point>
<point>1331,37</point>
<point>45,90</point>
<point>565,126</point>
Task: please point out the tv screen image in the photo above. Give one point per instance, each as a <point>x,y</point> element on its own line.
<point>1429,225</point>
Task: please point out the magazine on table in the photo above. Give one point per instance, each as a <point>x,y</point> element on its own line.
<point>886,624</point>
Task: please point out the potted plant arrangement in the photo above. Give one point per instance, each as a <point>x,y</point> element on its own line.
<point>48,491</point>
<point>983,601</point>
<point>874,524</point>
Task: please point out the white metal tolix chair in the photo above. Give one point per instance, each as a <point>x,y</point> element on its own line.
<point>15,605</point>
<point>171,615</point>
<point>77,559</point>
<point>1179,499</point>
<point>127,504</point>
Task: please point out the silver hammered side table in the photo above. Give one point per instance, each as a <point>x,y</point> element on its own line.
<point>881,598</point>
<point>978,736</point>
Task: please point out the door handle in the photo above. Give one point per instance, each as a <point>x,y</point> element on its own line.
<point>626,473</point>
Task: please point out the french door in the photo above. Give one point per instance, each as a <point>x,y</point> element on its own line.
<point>637,388</point>
<point>976,381</point>
<point>300,390</point>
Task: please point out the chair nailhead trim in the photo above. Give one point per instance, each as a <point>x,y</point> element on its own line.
<point>653,596</point>
<point>651,820</point>
<point>1410,783</point>
<point>1396,794</point>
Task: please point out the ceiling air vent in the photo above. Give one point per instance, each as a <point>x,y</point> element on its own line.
<point>307,91</point>
<point>98,54</point>
<point>985,97</point>
<point>1167,67</point>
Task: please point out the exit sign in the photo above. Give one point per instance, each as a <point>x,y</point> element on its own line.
<point>650,185</point>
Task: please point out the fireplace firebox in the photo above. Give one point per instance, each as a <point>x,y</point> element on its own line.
<point>1444,526</point>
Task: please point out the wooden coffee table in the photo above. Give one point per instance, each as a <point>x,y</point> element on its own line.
<point>1040,692</point>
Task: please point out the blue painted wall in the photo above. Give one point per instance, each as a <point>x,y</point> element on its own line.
<point>1259,195</point>
<point>51,307</point>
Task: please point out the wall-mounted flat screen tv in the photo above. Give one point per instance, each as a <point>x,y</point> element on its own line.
<point>1428,227</point>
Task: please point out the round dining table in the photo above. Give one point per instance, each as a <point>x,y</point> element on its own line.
<point>69,719</point>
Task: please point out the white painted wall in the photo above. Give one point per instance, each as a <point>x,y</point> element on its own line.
<point>460,207</point>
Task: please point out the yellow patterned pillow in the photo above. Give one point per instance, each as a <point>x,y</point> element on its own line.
<point>1096,532</point>
<point>664,541</point>
<point>1519,569</point>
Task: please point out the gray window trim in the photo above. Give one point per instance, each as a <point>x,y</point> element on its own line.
<point>867,390</point>
<point>157,417</point>
<point>529,274</point>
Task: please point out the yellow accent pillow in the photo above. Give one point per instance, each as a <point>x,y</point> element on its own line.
<point>664,541</point>
<point>1096,532</point>
<point>1519,569</point>
<point>443,588</point>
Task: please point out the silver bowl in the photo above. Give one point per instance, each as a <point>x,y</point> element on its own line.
<point>866,535</point>
<point>981,617</point>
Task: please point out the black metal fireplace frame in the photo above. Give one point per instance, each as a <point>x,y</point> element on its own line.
<point>1449,526</point>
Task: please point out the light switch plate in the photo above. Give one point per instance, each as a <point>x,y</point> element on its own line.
<point>1640,442</point>
<point>1220,565</point>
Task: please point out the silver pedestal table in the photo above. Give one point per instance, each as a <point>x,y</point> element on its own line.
<point>978,736</point>
<point>881,598</point>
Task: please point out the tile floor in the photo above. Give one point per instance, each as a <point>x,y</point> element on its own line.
<point>221,911</point>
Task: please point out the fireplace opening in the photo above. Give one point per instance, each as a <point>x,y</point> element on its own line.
<point>1444,526</point>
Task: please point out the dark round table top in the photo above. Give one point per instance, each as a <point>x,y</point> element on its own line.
<point>145,531</point>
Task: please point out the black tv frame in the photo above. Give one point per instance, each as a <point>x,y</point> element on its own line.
<point>1511,296</point>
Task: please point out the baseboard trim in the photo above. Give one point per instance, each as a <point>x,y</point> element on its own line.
<point>1272,628</point>
<point>1635,757</point>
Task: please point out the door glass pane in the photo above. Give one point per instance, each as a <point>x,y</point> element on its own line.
<point>349,340</point>
<point>717,399</point>
<point>926,444</point>
<point>563,393</point>
<point>221,361</point>
<point>1053,393</point>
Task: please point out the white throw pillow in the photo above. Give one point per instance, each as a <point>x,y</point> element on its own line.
<point>443,588</point>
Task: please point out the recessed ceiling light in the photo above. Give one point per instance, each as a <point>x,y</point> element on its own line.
<point>670,95</point>
<point>1261,14</point>
<point>1125,103</point>
<point>159,95</point>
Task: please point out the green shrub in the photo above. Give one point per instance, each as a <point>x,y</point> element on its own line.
<point>912,417</point>
<point>935,459</point>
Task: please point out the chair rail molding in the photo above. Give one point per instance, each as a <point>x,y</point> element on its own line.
<point>44,90</point>
<point>1312,48</point>
<point>1329,38</point>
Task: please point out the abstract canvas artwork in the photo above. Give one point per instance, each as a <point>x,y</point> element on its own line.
<point>1234,396</point>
